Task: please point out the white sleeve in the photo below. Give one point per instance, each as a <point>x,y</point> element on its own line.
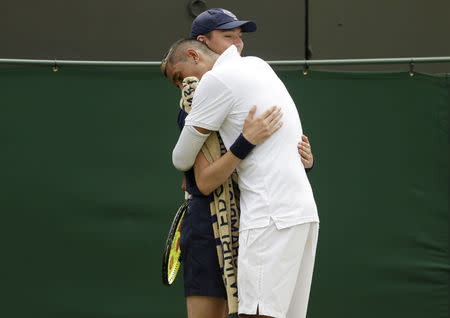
<point>212,103</point>
<point>189,144</point>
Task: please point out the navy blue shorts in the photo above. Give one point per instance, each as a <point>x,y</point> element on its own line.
<point>201,270</point>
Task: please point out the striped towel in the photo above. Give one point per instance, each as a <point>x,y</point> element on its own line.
<point>224,208</point>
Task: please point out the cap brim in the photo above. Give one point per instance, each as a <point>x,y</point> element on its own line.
<point>246,26</point>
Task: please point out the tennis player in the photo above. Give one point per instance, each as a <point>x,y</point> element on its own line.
<point>279,221</point>
<point>204,288</point>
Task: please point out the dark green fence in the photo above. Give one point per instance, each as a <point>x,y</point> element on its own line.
<point>88,191</point>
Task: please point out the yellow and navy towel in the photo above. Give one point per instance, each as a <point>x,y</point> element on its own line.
<point>224,207</point>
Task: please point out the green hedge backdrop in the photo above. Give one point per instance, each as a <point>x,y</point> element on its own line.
<point>88,191</point>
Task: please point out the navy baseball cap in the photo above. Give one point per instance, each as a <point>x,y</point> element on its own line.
<point>218,19</point>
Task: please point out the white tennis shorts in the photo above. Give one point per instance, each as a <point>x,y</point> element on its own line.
<point>275,269</point>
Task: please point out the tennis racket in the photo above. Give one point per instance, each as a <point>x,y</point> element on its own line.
<point>171,258</point>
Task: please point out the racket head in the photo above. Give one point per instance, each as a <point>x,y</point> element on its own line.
<point>172,252</point>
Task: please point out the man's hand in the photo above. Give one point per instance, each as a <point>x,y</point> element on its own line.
<point>304,149</point>
<point>256,130</point>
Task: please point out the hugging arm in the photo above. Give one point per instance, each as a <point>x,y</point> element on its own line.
<point>209,176</point>
<point>307,158</point>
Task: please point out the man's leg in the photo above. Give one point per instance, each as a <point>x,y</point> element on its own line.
<point>299,305</point>
<point>269,262</point>
<point>206,307</point>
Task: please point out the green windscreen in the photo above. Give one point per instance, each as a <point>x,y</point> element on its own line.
<point>88,192</point>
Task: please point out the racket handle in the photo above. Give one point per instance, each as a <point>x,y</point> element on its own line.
<point>187,196</point>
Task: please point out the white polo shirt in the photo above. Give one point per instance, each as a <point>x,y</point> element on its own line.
<point>272,179</point>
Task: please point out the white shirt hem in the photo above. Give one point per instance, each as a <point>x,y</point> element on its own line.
<point>280,224</point>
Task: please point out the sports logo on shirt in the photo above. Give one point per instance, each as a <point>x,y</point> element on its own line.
<point>229,14</point>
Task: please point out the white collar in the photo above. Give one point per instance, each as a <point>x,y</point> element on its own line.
<point>228,54</point>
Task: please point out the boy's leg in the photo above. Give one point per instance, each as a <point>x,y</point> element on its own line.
<point>206,307</point>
